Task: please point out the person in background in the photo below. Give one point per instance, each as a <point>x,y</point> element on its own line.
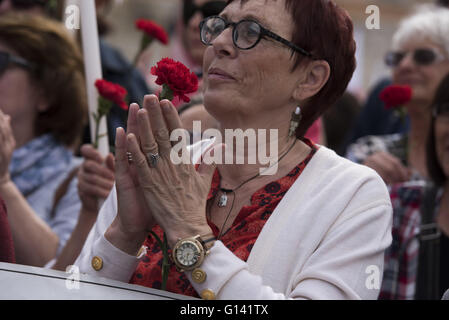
<point>44,97</point>
<point>6,245</point>
<point>374,119</point>
<point>420,59</point>
<point>338,120</point>
<point>95,182</point>
<point>115,67</point>
<point>417,262</point>
<point>185,45</point>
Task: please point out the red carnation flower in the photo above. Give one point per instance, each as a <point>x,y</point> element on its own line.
<point>112,92</point>
<point>176,79</point>
<point>395,96</point>
<point>109,93</point>
<point>152,30</point>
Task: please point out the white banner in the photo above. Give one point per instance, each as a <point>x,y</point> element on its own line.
<point>19,282</point>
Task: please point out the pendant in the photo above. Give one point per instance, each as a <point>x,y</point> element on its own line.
<point>223,201</point>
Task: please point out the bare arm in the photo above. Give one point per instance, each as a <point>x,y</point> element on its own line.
<point>34,241</point>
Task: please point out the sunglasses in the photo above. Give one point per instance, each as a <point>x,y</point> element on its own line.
<point>421,57</point>
<point>208,9</point>
<point>25,4</point>
<point>6,59</point>
<point>246,34</point>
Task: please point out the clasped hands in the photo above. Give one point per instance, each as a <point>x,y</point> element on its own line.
<point>149,192</point>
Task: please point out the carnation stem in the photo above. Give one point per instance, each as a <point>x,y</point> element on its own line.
<point>165,261</point>
<point>144,43</point>
<point>97,130</point>
<point>166,93</point>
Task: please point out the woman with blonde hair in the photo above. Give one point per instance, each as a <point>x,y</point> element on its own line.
<point>43,110</point>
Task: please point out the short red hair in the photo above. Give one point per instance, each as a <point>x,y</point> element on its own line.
<point>326,30</point>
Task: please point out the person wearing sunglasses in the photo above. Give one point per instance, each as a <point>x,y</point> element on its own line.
<point>185,44</point>
<point>193,12</point>
<point>43,108</point>
<point>419,59</point>
<point>307,230</point>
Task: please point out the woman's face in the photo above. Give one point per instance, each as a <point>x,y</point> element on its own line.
<point>255,80</point>
<point>18,95</point>
<point>442,141</point>
<point>424,79</point>
<point>192,39</point>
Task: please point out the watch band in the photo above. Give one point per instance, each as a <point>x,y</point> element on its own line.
<point>208,243</point>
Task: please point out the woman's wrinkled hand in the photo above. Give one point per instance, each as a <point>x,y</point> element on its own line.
<point>95,178</point>
<point>177,194</point>
<point>7,146</point>
<point>134,217</point>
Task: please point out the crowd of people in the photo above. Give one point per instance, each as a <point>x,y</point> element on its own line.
<point>349,194</point>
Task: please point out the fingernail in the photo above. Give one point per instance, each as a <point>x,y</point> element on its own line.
<point>165,106</point>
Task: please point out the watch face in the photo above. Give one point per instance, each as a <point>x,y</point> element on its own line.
<point>187,254</point>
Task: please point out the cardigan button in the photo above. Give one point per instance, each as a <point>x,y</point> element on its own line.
<point>199,276</point>
<point>97,263</point>
<point>208,295</point>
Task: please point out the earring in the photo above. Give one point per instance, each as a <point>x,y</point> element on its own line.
<point>294,122</point>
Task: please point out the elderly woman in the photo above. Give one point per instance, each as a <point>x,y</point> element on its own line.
<point>42,112</point>
<point>316,228</point>
<point>417,262</point>
<point>420,59</point>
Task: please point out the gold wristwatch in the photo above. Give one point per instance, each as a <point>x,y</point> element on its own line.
<point>189,253</point>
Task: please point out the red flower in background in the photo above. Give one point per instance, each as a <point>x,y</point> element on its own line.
<point>112,92</point>
<point>176,79</point>
<point>395,96</point>
<point>109,93</point>
<point>153,30</point>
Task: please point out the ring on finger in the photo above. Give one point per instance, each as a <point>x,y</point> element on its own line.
<point>129,156</point>
<point>152,159</point>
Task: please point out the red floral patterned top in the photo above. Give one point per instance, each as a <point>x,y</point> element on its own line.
<point>240,238</point>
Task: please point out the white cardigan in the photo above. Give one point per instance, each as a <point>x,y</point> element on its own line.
<point>325,240</point>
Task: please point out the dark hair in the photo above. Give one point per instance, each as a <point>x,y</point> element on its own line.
<point>59,72</point>
<point>339,120</point>
<point>326,30</point>
<point>444,3</point>
<point>440,104</point>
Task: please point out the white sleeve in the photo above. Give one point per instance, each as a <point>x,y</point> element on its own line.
<point>116,264</point>
<point>229,278</point>
<point>348,264</point>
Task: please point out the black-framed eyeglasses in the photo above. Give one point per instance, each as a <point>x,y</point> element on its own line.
<point>421,57</point>
<point>211,8</point>
<point>6,59</point>
<point>246,34</point>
